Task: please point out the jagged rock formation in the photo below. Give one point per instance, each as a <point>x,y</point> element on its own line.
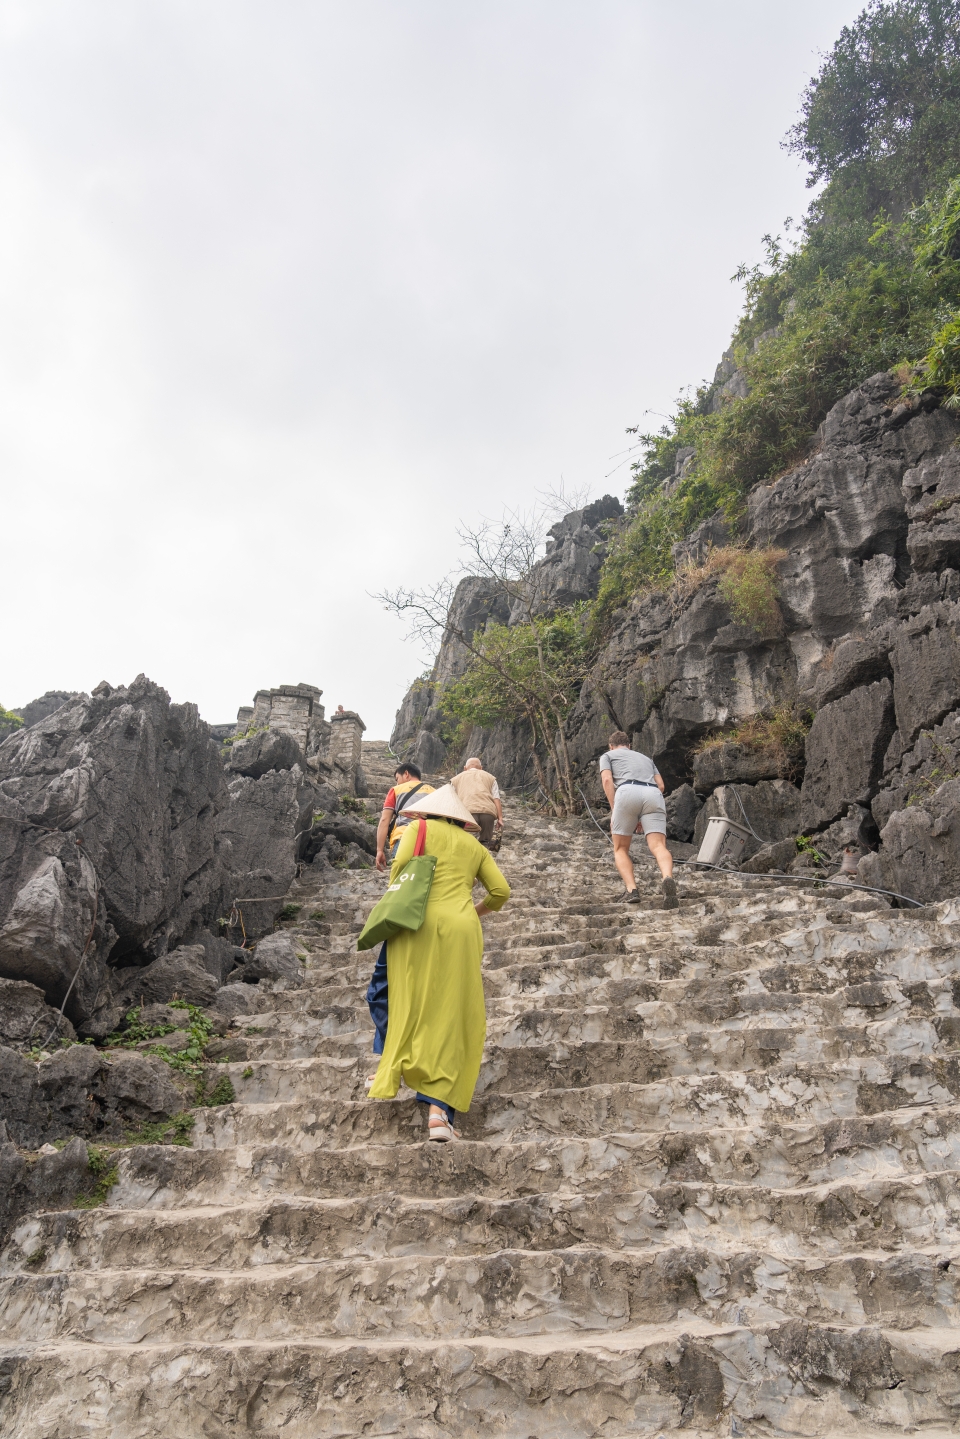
<point>709,1187</point>
<point>47,704</point>
<point>870,597</point>
<point>121,839</point>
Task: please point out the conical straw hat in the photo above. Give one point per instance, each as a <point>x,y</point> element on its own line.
<point>443,803</point>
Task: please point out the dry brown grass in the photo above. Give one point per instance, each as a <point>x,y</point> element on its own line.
<point>780,733</point>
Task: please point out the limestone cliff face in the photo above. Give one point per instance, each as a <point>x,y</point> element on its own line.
<point>871,609</point>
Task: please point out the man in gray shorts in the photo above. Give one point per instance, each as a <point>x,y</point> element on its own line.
<point>634,790</point>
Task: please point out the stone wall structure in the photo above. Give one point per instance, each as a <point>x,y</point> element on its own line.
<point>328,749</point>
<point>294,708</point>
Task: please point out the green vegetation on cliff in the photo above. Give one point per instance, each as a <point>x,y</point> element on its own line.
<point>871,283</point>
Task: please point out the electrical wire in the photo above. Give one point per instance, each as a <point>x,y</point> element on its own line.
<point>774,874</point>
<point>798,878</point>
<point>803,879</point>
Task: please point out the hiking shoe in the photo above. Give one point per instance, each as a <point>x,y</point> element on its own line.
<point>633,896</point>
<point>670,900</point>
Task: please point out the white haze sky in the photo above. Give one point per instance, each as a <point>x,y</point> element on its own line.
<point>289,288</point>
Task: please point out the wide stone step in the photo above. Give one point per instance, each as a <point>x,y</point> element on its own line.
<point>812,1093</point>
<point>796,1378</point>
<point>700,964</point>
<point>746,1041</point>
<point>823,1222</point>
<point>388,1152</point>
<point>525,1066</point>
<point>515,1292</point>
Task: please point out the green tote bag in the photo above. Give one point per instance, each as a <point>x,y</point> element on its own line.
<point>405,902</point>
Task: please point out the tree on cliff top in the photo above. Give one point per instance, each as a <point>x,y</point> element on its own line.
<point>873,284</point>
<point>881,120</point>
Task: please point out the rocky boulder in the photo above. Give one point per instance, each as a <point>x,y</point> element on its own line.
<point>932,494</point>
<point>912,774</point>
<point>260,753</point>
<point>926,669</point>
<point>845,752</point>
<point>732,763</point>
<point>181,974</point>
<point>25,1017</point>
<point>920,852</point>
<point>771,858</point>
<point>347,828</point>
<point>51,1181</point>
<point>107,837</point>
<point>82,1091</point>
<point>683,806</point>
<point>275,957</point>
<point>262,832</point>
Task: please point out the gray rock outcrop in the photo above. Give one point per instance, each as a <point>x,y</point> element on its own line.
<point>683,806</point>
<point>920,851</point>
<point>260,753</point>
<point>81,1091</point>
<point>845,751</point>
<point>275,957</point>
<point>121,839</point>
<point>47,704</point>
<point>25,1017</point>
<point>262,832</point>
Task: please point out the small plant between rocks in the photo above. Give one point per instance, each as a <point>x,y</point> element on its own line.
<point>806,846</point>
<point>223,1092</point>
<point>104,1174</point>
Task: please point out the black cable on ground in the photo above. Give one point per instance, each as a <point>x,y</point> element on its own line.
<point>803,879</point>
<point>790,878</point>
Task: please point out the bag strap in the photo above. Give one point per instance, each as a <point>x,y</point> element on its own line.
<point>421,838</point>
<point>407,795</point>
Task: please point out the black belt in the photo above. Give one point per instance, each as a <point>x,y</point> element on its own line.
<point>646,783</point>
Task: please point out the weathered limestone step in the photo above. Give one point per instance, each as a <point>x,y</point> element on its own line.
<point>787,1378</point>
<point>815,1095</point>
<point>778,994</point>
<point>593,1044</point>
<point>514,1292</point>
<point>747,1071</point>
<point>400,1159</point>
<point>868,1216</point>
<point>849,957</point>
<point>855,966</point>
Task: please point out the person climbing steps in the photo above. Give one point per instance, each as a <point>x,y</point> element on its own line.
<point>634,789</point>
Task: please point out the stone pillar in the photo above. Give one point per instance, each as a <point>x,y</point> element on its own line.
<point>344,754</point>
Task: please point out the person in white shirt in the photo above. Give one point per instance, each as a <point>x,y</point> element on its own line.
<point>634,789</point>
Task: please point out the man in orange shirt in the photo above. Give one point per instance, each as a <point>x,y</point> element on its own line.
<point>391,826</point>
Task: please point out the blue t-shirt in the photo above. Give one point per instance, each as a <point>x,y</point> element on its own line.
<point>625,764</point>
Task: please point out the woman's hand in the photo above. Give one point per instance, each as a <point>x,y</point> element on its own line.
<point>482,910</point>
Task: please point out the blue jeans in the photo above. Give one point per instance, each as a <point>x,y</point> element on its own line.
<point>377,1002</point>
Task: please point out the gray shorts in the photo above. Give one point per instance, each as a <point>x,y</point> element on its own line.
<point>635,804</point>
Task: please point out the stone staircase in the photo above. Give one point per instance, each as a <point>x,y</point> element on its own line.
<point>379,764</point>
<point>708,1185</point>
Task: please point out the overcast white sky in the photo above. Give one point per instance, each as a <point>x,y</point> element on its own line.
<point>287,288</point>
